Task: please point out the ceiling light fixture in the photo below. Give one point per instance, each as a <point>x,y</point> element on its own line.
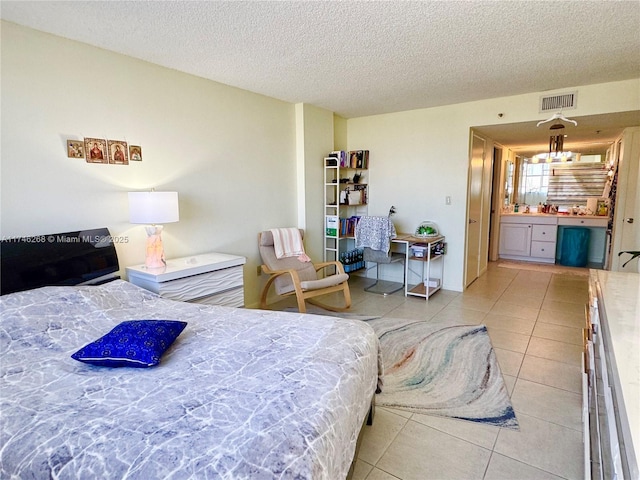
<point>553,157</point>
<point>556,139</point>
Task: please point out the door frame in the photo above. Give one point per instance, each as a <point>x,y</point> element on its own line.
<point>497,197</point>
<point>485,207</point>
<point>625,234</point>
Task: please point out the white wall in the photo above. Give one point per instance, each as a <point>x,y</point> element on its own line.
<point>235,157</point>
<point>229,153</point>
<point>419,157</point>
<point>315,141</point>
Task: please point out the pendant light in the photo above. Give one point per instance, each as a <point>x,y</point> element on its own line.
<point>556,140</point>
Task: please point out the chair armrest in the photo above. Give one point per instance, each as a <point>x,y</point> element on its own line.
<point>273,275</point>
<point>268,271</point>
<point>277,273</point>
<point>335,263</point>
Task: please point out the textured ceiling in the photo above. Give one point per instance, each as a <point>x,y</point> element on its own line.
<point>362,58</point>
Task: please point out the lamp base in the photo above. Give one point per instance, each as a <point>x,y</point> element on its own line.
<point>155,249</point>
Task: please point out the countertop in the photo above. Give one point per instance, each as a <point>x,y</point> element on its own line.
<point>551,215</point>
<point>621,298</point>
<point>411,238</point>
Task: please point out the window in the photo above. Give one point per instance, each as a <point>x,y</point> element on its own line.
<point>563,183</point>
<point>535,183</point>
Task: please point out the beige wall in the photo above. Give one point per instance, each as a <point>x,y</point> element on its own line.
<point>339,133</point>
<point>315,140</point>
<point>229,153</point>
<point>421,156</point>
<point>241,162</point>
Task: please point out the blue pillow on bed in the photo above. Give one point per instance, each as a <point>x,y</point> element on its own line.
<point>135,343</point>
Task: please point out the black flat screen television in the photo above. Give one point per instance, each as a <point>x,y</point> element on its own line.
<point>86,257</point>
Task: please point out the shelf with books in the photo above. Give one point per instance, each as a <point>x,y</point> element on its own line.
<point>346,195</point>
<point>354,159</point>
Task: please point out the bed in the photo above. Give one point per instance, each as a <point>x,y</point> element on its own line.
<point>241,394</point>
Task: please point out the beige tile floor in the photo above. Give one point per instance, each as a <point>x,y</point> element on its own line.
<point>534,319</point>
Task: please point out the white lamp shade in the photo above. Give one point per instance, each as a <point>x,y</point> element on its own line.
<point>153,208</point>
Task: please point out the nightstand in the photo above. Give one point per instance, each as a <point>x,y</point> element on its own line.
<point>211,278</point>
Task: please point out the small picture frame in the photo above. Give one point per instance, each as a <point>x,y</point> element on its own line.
<point>118,152</point>
<point>95,150</point>
<point>75,149</point>
<point>135,153</point>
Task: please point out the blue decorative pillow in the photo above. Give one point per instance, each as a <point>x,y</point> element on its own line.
<point>135,343</point>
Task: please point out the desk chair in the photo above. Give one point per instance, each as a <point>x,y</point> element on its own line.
<point>384,287</point>
<point>373,235</point>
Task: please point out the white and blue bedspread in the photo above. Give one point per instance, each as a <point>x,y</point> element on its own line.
<point>241,394</point>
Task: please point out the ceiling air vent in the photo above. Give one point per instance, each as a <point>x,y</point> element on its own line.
<point>564,101</point>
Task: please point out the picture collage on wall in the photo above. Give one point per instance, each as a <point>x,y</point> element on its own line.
<point>100,150</point>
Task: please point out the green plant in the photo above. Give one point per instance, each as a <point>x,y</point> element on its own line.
<point>633,254</point>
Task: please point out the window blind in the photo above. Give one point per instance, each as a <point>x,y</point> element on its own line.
<point>571,184</point>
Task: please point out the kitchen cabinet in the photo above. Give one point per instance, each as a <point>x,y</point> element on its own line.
<point>535,237</point>
<point>543,241</point>
<point>515,239</point>
<point>528,238</point>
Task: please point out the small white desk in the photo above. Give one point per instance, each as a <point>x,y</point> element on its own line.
<point>211,278</point>
<point>422,289</point>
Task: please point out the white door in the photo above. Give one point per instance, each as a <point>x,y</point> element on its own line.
<point>474,209</point>
<point>627,215</point>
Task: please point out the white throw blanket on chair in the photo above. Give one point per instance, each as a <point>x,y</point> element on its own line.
<point>375,233</point>
<point>287,242</point>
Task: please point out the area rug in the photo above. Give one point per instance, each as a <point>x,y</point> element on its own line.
<point>444,370</point>
<point>536,267</point>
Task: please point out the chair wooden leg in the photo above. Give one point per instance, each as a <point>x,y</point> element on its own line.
<point>347,297</point>
<point>333,308</point>
<point>265,291</point>
<point>302,306</point>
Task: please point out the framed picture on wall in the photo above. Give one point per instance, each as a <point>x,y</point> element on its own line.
<point>95,150</point>
<point>75,149</point>
<point>118,152</point>
<point>135,153</point>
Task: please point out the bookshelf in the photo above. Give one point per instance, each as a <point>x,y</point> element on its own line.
<point>346,197</point>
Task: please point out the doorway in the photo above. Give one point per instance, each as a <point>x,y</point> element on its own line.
<point>478,208</point>
<point>484,196</point>
<point>497,201</point>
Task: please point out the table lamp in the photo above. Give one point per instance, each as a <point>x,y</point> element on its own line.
<point>153,209</point>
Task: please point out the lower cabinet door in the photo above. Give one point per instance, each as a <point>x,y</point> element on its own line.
<point>515,239</point>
